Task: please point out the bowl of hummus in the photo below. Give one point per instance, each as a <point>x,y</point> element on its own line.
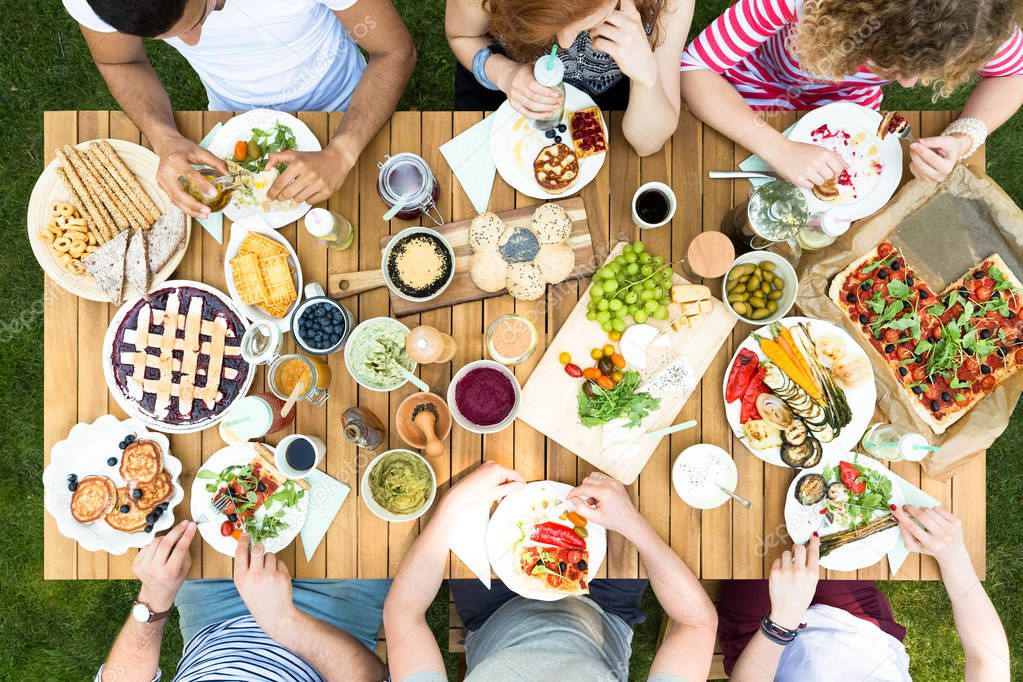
<point>374,352</point>
<point>398,486</point>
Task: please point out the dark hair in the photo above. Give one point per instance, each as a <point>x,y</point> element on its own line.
<point>143,18</point>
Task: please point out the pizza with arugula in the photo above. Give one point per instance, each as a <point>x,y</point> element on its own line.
<point>948,349</point>
<point>559,568</point>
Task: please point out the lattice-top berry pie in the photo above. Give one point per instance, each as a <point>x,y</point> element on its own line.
<point>176,356</point>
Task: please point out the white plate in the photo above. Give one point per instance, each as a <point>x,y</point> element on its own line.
<point>201,503</point>
<point>130,406</point>
<point>707,495</point>
<point>862,399</point>
<point>240,128</point>
<point>853,119</point>
<point>253,313</point>
<point>503,532</point>
<point>49,188</point>
<point>515,142</point>
<point>801,521</point>
<point>84,453</point>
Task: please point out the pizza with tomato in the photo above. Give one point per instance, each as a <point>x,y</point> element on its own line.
<point>947,350</point>
<point>558,568</point>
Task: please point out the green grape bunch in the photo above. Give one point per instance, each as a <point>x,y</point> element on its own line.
<point>636,285</point>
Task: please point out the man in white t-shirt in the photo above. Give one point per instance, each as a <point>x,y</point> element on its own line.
<point>288,55</point>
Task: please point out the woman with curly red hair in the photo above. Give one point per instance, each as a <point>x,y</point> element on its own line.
<point>801,54</point>
<point>623,53</point>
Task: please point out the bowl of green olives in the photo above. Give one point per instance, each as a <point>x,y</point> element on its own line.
<point>760,287</point>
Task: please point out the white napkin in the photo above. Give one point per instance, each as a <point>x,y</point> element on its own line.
<point>468,540</point>
<point>913,495</point>
<point>326,495</point>
<point>215,223</point>
<point>471,162</point>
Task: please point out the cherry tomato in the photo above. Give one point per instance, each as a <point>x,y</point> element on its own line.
<point>605,383</point>
<point>618,360</point>
<point>237,534</point>
<point>226,528</point>
<point>564,357</point>
<point>617,377</point>
<point>591,373</point>
<point>241,150</point>
<point>615,335</point>
<point>576,519</point>
<point>596,353</point>
<point>573,370</point>
<point>608,350</point>
<point>606,367</point>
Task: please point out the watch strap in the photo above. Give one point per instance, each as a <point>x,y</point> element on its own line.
<point>776,633</point>
<point>154,616</point>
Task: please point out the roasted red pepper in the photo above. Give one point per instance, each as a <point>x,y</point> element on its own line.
<point>748,405</point>
<point>739,377</point>
<point>551,533</point>
<point>848,473</point>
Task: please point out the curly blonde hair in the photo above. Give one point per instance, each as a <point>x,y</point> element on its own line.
<point>942,42</point>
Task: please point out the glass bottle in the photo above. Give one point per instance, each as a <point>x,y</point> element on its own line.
<point>549,71</point>
<point>332,229</point>
<point>362,428</point>
<point>894,443</point>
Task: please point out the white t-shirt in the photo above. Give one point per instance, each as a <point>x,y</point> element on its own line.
<point>289,55</point>
<point>836,645</point>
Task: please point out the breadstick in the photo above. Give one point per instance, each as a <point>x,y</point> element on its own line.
<point>99,212</point>
<point>82,198</point>
<point>127,180</point>
<point>94,179</point>
<point>97,161</point>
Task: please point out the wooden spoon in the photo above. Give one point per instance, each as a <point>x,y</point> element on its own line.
<point>299,389</point>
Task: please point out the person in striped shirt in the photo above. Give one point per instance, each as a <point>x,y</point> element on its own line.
<point>769,55</point>
<point>262,627</point>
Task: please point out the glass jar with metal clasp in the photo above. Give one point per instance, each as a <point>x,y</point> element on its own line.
<point>770,220</point>
<point>408,187</point>
<point>262,344</point>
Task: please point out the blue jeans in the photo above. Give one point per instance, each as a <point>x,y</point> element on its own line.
<point>355,606</point>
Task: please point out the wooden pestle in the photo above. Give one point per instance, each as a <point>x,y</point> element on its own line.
<point>425,419</point>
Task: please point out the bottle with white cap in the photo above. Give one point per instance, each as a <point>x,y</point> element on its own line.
<point>822,229</point>
<point>332,229</point>
<point>549,71</point>
<point>894,443</point>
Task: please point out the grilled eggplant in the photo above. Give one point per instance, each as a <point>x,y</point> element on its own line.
<point>795,455</point>
<point>796,433</point>
<point>810,489</point>
<point>815,457</point>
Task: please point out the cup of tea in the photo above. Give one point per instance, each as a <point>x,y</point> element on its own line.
<point>297,455</point>
<point>653,205</point>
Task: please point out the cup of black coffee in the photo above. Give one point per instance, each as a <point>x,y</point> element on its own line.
<point>297,455</point>
<point>653,205</point>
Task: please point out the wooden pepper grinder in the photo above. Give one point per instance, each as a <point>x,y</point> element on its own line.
<point>424,416</point>
<point>426,345</point>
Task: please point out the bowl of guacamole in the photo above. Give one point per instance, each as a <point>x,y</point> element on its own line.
<point>373,352</point>
<point>398,485</point>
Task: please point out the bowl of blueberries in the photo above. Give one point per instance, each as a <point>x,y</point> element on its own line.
<point>320,325</point>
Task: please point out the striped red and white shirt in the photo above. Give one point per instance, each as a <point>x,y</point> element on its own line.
<point>748,45</point>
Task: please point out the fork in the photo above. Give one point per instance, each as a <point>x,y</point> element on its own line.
<point>219,505</point>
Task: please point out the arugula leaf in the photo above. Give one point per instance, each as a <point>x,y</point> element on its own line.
<point>910,322</point>
<point>621,401</point>
<point>936,310</point>
<point>876,303</point>
<point>899,289</point>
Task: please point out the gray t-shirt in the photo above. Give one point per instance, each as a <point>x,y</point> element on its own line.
<point>573,636</point>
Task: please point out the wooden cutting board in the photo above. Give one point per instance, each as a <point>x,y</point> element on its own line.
<point>589,249</point>
<point>549,396</point>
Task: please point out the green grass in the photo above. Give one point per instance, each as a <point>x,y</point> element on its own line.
<point>62,630</point>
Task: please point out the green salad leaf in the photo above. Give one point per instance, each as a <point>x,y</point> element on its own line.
<point>622,401</point>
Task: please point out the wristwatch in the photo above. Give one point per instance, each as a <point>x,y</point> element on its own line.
<point>141,612</point>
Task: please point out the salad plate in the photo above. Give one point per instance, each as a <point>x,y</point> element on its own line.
<point>538,545</point>
<point>269,131</point>
<point>845,493</point>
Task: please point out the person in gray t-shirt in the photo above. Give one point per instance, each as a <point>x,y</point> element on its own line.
<point>574,638</point>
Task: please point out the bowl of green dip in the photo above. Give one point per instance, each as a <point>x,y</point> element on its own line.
<point>399,485</point>
<point>374,351</point>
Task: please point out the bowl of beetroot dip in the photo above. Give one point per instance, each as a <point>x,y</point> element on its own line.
<point>484,397</point>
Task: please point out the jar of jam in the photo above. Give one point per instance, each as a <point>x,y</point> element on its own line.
<point>312,372</point>
<point>406,181</point>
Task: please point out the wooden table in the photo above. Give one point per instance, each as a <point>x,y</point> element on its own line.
<point>728,542</point>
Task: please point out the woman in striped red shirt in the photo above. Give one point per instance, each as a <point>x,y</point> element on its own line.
<point>764,55</point>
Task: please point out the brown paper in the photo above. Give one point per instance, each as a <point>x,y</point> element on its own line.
<point>943,230</point>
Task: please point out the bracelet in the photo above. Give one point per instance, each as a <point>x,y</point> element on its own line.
<point>776,633</point>
<point>973,128</point>
<point>479,62</point>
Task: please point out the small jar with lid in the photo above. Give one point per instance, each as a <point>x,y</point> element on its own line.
<point>332,229</point>
<point>406,182</point>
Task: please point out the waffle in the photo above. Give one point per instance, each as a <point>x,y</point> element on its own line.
<point>94,497</point>
<point>141,462</point>
<point>156,491</point>
<point>587,132</point>
<point>132,520</point>
<point>280,287</point>
<point>261,246</point>
<point>248,279</point>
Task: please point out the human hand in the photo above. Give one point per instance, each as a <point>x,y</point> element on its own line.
<point>264,584</point>
<point>177,154</point>
<point>162,566</point>
<point>793,582</point>
<point>941,536</point>
<point>310,176</point>
<point>527,96</point>
<point>803,164</point>
<point>623,37</point>
<point>489,482</point>
<point>605,500</point>
<point>933,158</point>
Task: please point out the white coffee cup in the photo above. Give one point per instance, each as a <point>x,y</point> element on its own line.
<point>281,460</point>
<point>657,187</point>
